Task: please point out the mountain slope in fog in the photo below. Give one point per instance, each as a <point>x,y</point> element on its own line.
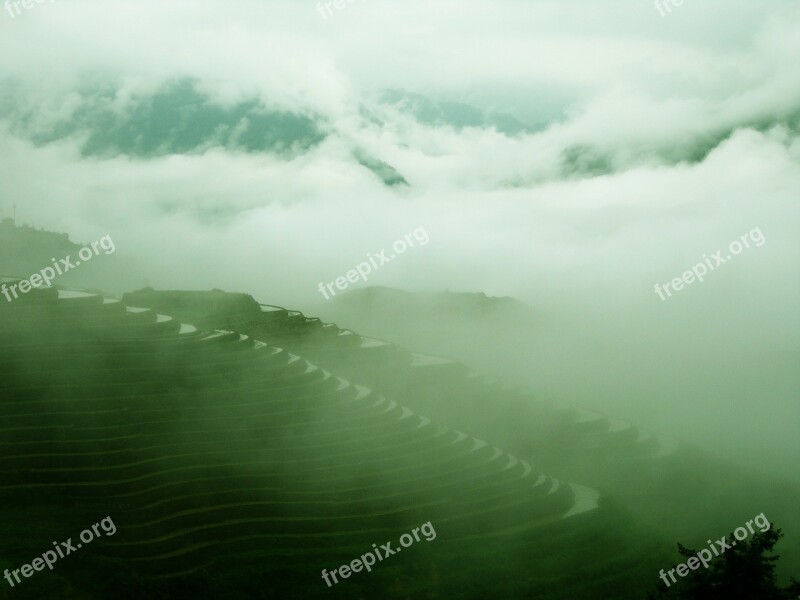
<point>466,326</point>
<point>676,488</point>
<point>235,468</point>
<point>26,250</point>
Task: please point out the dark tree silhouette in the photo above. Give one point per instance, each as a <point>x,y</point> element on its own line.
<point>743,572</point>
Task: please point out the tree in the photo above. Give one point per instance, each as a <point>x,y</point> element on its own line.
<point>745,571</point>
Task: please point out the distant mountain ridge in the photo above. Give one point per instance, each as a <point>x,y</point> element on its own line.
<point>181,117</point>
<point>453,114</point>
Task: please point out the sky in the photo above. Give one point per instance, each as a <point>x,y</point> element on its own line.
<point>685,126</point>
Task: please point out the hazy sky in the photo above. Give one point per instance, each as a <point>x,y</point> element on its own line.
<point>646,92</point>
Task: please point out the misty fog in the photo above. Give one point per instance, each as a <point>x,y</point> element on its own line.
<point>642,145</point>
